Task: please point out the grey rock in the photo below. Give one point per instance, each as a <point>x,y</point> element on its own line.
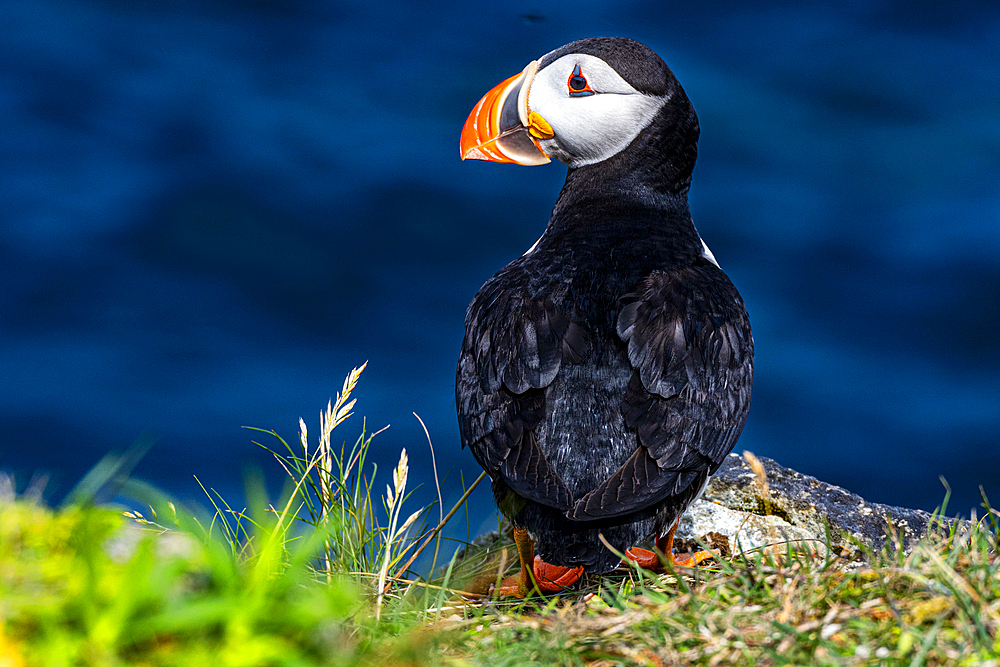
<point>798,509</point>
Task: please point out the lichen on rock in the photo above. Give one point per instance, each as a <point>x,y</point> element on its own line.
<point>798,508</point>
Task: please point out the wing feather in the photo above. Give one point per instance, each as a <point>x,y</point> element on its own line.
<point>513,349</point>
<point>691,350</point>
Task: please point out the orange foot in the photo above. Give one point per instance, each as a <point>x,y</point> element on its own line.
<point>665,545</point>
<point>549,578</point>
<point>649,560</point>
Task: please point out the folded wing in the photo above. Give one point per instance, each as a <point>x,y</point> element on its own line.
<point>691,350</point>
<point>513,349</point>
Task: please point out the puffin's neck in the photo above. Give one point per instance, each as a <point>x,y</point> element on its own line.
<point>641,192</point>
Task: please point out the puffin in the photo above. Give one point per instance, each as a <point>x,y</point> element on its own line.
<point>607,372</point>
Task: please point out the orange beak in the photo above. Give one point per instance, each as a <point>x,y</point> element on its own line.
<point>497,129</point>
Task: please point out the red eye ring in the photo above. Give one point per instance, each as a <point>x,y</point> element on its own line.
<point>577,84</point>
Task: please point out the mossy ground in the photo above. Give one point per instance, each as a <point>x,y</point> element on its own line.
<point>938,605</point>
<point>322,579</point>
<point>81,587</point>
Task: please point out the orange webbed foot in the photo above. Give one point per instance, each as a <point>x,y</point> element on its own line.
<point>695,559</point>
<point>649,560</point>
<point>555,578</point>
<point>665,545</point>
<point>644,558</point>
<point>550,579</point>
<point>510,588</point>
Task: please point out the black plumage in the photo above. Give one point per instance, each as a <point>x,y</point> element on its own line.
<point>606,374</point>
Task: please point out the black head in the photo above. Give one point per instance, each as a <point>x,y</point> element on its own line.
<point>605,103</point>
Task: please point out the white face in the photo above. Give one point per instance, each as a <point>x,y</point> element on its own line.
<point>593,123</point>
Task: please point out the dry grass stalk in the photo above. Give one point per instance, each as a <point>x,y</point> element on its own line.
<point>394,502</point>
<point>760,479</point>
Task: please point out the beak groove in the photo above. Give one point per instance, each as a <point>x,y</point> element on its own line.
<point>498,129</point>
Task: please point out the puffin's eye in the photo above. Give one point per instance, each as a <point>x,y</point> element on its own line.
<point>577,84</point>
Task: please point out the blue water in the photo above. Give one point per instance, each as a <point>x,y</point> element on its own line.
<point>211,211</point>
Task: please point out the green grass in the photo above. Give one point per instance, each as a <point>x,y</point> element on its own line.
<point>81,587</point>
<point>939,605</point>
<point>324,577</point>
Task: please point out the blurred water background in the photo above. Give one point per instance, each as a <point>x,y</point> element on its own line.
<point>211,210</point>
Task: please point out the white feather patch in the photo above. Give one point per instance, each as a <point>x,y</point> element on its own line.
<point>591,128</point>
<point>707,254</point>
<point>534,245</point>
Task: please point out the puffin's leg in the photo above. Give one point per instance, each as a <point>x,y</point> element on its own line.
<point>665,545</point>
<point>518,585</point>
<point>536,572</point>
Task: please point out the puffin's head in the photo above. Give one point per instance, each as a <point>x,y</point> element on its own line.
<point>580,104</point>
